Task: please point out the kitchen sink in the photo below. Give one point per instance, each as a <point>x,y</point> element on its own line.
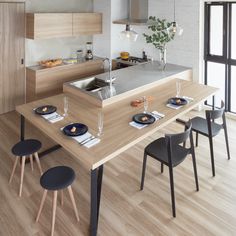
<point>91,84</point>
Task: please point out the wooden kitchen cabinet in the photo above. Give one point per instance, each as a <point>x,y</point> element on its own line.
<point>48,25</point>
<point>45,82</point>
<point>12,52</point>
<point>87,23</point>
<point>59,25</point>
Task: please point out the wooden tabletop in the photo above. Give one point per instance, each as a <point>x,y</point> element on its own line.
<point>118,134</point>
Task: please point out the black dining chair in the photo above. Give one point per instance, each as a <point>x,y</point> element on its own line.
<point>169,152</point>
<point>209,128</point>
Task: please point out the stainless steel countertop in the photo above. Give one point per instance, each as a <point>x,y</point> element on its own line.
<point>134,77</point>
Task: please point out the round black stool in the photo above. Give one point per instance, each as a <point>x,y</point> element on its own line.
<point>23,149</point>
<point>55,179</point>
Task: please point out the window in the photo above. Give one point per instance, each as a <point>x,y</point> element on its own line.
<point>220,51</point>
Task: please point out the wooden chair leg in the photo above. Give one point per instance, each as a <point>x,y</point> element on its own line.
<point>32,163</point>
<point>41,204</point>
<point>73,202</point>
<point>162,167</point>
<point>212,155</point>
<point>54,208</point>
<point>38,162</point>
<point>172,190</point>
<point>22,175</point>
<point>62,198</point>
<point>143,171</point>
<point>14,168</point>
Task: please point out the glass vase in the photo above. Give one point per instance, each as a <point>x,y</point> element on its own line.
<point>163,58</point>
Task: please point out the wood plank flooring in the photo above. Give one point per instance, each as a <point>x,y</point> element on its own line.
<point>124,209</point>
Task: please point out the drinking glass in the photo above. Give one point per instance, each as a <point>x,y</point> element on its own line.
<point>145,104</point>
<point>178,88</point>
<point>66,106</point>
<point>100,123</point>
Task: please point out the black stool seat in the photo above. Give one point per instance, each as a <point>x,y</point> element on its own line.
<point>57,178</point>
<point>26,147</point>
<point>158,150</point>
<point>200,125</point>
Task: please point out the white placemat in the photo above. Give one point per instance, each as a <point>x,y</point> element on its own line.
<point>87,140</point>
<point>53,117</point>
<point>155,114</point>
<point>176,107</point>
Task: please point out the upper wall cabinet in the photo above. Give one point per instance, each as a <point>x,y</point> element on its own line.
<point>87,23</point>
<point>48,25</point>
<point>58,25</point>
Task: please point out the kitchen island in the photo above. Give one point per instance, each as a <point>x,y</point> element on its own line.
<point>127,82</point>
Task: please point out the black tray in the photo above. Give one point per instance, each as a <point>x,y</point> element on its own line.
<point>50,110</point>
<point>80,129</point>
<point>138,118</point>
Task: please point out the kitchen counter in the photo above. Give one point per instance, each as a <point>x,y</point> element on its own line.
<point>42,82</point>
<point>129,81</point>
<point>39,67</point>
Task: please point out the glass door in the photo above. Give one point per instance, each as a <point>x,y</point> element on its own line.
<point>220,51</point>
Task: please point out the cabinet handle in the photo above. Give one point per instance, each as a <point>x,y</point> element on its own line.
<point>22,61</point>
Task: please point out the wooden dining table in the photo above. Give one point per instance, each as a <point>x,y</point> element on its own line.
<point>117,136</point>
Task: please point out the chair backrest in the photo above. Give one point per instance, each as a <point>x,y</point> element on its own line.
<point>216,114</point>
<point>176,139</point>
<point>173,140</point>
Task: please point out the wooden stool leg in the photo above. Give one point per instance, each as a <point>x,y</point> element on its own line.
<point>22,175</point>
<point>54,208</point>
<point>31,162</point>
<point>38,162</point>
<point>73,202</point>
<point>13,170</point>
<point>62,197</point>
<point>41,204</point>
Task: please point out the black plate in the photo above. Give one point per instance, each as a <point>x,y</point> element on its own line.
<point>178,101</point>
<point>138,118</point>
<point>80,129</point>
<point>50,110</point>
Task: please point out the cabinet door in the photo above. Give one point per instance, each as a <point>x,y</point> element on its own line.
<point>12,45</point>
<point>87,23</point>
<point>49,25</point>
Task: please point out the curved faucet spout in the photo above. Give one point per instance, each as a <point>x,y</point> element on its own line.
<point>110,67</point>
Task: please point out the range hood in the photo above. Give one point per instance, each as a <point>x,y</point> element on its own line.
<point>138,13</point>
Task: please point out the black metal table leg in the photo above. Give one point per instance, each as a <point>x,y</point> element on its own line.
<point>49,150</point>
<point>99,186</point>
<point>22,128</point>
<point>96,186</point>
<point>213,102</point>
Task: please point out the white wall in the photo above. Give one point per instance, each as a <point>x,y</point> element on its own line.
<point>102,42</point>
<point>37,50</point>
<point>119,10</point>
<point>109,43</point>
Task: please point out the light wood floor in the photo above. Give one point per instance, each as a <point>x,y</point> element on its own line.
<point>124,209</point>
